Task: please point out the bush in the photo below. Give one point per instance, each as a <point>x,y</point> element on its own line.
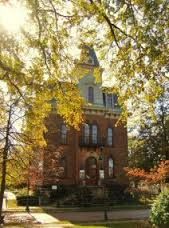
<point>160,210</point>
<point>22,200</point>
<point>61,192</point>
<point>71,195</point>
<point>83,196</point>
<point>118,193</point>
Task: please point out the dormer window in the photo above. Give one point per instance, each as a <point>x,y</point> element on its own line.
<point>109,101</point>
<point>115,100</point>
<point>104,99</point>
<point>91,94</point>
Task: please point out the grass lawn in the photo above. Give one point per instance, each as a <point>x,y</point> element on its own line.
<point>116,224</point>
<point>120,224</point>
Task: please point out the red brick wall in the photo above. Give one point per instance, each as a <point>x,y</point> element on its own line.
<point>76,155</point>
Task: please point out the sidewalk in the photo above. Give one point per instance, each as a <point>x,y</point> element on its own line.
<point>30,220</point>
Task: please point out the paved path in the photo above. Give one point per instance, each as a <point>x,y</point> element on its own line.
<point>44,218</point>
<point>31,220</point>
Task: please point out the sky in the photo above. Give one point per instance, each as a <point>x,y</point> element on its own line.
<point>12,16</point>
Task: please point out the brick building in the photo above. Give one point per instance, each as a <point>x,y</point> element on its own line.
<point>98,152</point>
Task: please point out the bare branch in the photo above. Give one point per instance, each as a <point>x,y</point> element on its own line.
<point>59,14</point>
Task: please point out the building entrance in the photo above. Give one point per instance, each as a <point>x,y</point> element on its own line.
<point>91,171</point>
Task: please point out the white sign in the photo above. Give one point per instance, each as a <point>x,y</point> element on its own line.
<point>54,187</point>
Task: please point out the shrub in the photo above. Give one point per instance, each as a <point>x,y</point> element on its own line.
<point>118,193</point>
<point>160,210</point>
<point>71,195</point>
<point>83,196</point>
<point>61,192</point>
<point>32,200</point>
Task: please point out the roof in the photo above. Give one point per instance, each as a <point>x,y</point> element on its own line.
<point>90,56</point>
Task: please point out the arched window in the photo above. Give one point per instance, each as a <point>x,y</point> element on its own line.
<point>86,133</point>
<point>94,134</point>
<point>90,94</point>
<point>110,136</point>
<point>64,134</point>
<point>111,167</point>
<point>63,167</point>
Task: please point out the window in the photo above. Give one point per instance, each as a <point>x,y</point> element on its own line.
<point>109,101</point>
<point>104,99</point>
<point>94,134</point>
<point>111,167</point>
<point>115,98</point>
<point>64,134</point>
<point>110,136</point>
<point>90,134</point>
<point>90,94</point>
<point>86,133</point>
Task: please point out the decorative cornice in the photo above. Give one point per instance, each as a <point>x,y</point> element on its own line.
<point>102,111</point>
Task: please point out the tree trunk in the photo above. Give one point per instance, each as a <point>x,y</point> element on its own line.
<point>3,182</point>
<point>4,162</point>
<point>164,132</point>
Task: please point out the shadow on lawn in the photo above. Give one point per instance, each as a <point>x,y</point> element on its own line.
<point>120,224</point>
<point>82,220</point>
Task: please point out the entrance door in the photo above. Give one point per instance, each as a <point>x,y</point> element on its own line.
<point>91,171</point>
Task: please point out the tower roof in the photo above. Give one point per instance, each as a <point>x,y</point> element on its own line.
<point>89,56</point>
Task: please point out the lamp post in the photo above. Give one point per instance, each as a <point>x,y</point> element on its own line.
<point>101,168</point>
<point>27,198</point>
<point>28,187</point>
<point>28,184</point>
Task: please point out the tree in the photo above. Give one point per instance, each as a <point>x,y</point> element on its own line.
<point>133,45</point>
<point>158,175</point>
<point>16,145</point>
<point>163,120</point>
<point>26,79</point>
<point>147,148</point>
<point>6,143</point>
<point>151,143</point>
